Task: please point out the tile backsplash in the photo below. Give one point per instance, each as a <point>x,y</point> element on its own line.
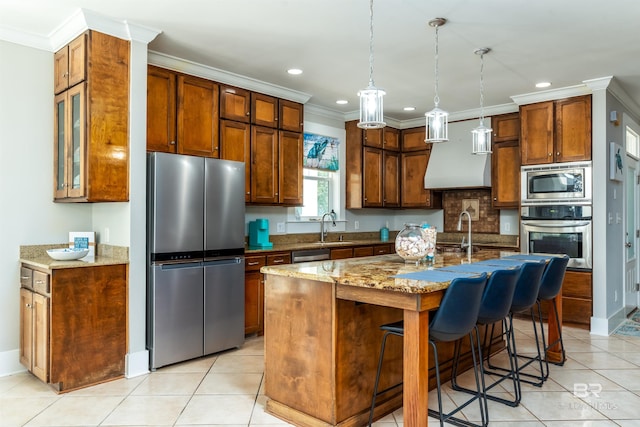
<point>455,201</point>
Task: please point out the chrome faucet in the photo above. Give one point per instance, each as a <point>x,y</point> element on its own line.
<point>463,244</point>
<point>323,230</point>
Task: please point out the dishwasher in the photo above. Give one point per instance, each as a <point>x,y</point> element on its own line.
<point>305,255</point>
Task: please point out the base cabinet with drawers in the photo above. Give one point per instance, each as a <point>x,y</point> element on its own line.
<point>254,289</point>
<point>73,324</point>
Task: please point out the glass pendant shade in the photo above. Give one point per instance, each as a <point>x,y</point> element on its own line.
<point>371,108</point>
<point>481,139</point>
<point>437,125</point>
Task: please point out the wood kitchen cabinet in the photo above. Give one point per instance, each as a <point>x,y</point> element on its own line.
<point>373,179</point>
<point>290,180</point>
<point>577,298</point>
<point>505,161</point>
<point>290,116</point>
<point>69,64</point>
<point>254,289</point>
<point>74,324</point>
<point>505,175</point>
<point>276,113</point>
<point>235,144</point>
<point>413,140</point>
<point>182,113</point>
<point>556,131</point>
<point>413,194</point>
<point>91,123</point>
<point>235,104</point>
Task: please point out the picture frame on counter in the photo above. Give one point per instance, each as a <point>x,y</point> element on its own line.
<point>83,240</point>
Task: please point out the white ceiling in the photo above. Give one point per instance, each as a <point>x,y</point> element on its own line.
<point>562,41</point>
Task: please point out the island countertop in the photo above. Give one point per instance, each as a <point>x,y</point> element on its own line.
<point>378,271</point>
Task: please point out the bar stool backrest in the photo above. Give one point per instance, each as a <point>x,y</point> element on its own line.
<point>527,286</point>
<point>458,312</point>
<point>553,277</point>
<point>498,296</point>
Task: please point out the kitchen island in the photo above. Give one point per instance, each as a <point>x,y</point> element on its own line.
<point>322,338</point>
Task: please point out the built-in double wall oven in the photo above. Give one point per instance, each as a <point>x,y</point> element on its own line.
<point>556,211</point>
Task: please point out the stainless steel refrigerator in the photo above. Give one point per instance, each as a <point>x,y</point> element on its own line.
<point>195,251</point>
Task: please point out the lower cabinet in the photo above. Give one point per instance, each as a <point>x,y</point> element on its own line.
<point>254,289</point>
<point>577,300</point>
<point>73,324</point>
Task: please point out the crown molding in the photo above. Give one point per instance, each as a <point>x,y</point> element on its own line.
<point>226,77</point>
<point>22,38</point>
<point>550,95</point>
<point>327,113</point>
<point>619,93</point>
<point>598,84</point>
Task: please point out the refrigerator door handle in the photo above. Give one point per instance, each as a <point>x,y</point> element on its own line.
<point>226,261</point>
<point>174,266</point>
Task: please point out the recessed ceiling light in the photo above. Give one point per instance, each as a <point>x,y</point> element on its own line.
<point>294,71</point>
<point>543,84</point>
<point>342,101</point>
<point>409,108</point>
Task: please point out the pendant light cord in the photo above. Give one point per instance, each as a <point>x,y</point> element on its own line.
<point>436,98</point>
<point>371,43</point>
<point>482,88</point>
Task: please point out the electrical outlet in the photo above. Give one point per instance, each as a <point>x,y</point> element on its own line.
<point>507,227</point>
<point>280,227</point>
<point>615,296</point>
<point>106,235</point>
<point>356,225</point>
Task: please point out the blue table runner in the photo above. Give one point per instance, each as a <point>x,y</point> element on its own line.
<point>529,257</point>
<point>474,268</point>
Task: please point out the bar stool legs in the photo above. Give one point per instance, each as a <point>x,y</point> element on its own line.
<point>376,393</point>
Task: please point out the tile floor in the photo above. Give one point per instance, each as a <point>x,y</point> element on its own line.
<point>227,390</point>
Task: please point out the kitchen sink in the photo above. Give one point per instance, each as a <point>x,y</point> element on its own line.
<point>332,243</point>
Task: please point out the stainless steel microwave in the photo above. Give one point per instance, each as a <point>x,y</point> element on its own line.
<point>556,182</point>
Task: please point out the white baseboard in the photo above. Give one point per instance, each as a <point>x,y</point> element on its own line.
<point>604,327</point>
<point>10,363</point>
<point>137,364</point>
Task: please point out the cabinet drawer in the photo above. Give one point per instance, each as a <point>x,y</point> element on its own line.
<point>26,277</point>
<point>363,251</point>
<point>253,263</point>
<point>41,282</point>
<point>341,253</point>
<point>383,249</point>
<point>577,284</point>
<point>279,259</point>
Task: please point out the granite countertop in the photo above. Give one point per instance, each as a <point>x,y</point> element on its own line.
<point>376,272</point>
<point>36,256</point>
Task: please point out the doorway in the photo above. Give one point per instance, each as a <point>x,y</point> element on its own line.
<point>631,216</point>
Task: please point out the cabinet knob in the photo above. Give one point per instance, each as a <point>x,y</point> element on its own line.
<point>550,154</point>
<point>39,282</point>
<point>24,277</point>
<point>172,143</point>
<point>558,153</point>
<point>247,113</point>
<point>248,193</point>
<point>495,198</point>
<point>28,305</point>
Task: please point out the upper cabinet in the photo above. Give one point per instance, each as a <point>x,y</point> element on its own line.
<point>290,115</point>
<point>556,131</point>
<point>505,161</point>
<point>91,119</point>
<point>69,64</point>
<point>182,113</point>
<point>235,104</point>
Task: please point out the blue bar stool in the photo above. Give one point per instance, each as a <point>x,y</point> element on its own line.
<point>455,318</point>
<point>495,306</point>
<point>550,286</point>
<point>524,298</point>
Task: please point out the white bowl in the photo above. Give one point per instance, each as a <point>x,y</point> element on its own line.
<point>67,254</point>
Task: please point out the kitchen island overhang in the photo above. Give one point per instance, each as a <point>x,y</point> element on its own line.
<point>322,338</point>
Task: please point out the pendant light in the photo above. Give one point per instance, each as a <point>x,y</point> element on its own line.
<point>371,109</point>
<point>437,119</point>
<point>481,134</point>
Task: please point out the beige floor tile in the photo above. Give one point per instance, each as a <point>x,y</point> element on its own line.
<point>169,384</point>
<point>617,405</point>
<point>147,410</point>
<point>10,381</point>
<point>76,411</point>
<point>120,387</point>
<point>260,417</point>
<point>575,345</point>
<point>202,364</point>
<point>628,423</point>
<point>32,387</point>
<point>627,378</point>
<point>580,423</point>
<point>558,406</point>
<point>614,345</point>
<point>17,411</point>
<point>230,384</point>
<point>602,360</point>
<point>253,346</point>
<point>575,379</point>
<point>630,357</point>
<point>218,409</point>
<point>231,363</point>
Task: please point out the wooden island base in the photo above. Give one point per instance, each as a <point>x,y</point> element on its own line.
<point>321,355</point>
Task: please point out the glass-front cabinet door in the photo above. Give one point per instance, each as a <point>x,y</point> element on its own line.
<point>69,150</point>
